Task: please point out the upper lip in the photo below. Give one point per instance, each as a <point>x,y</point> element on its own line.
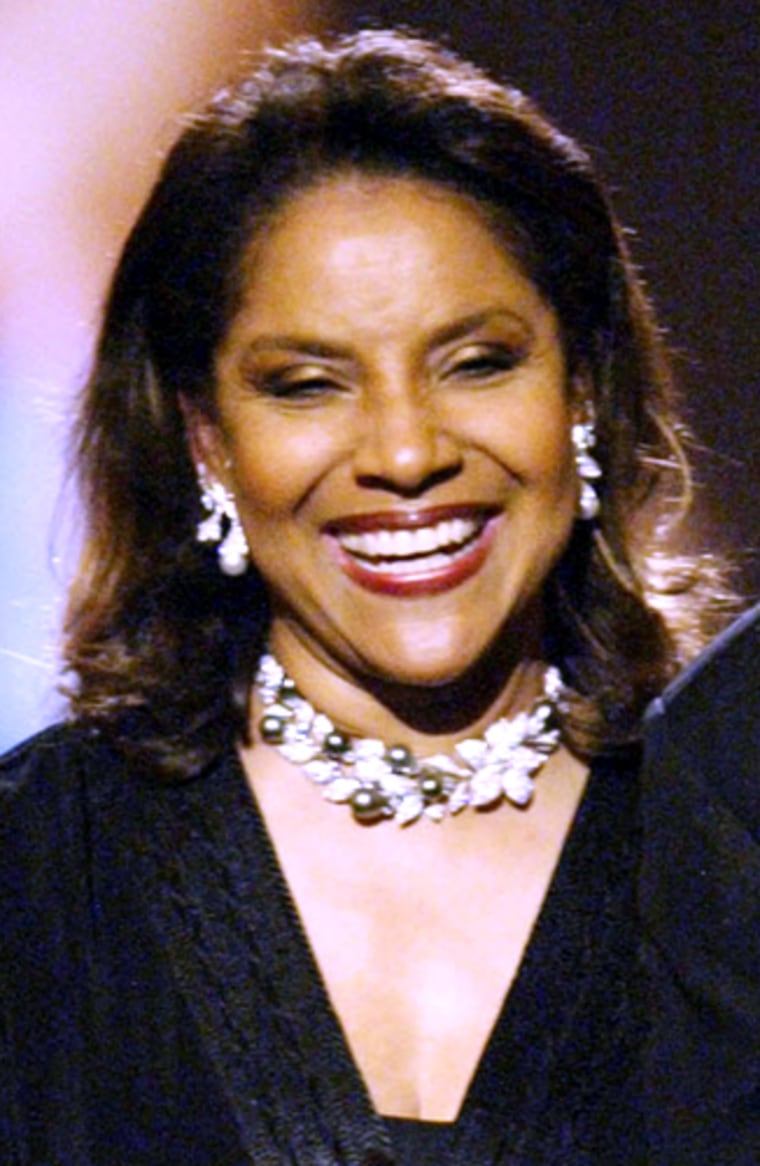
<point>408,519</point>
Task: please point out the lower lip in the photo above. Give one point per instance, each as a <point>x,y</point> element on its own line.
<point>421,582</point>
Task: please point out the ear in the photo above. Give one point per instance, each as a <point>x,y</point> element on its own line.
<point>205,441</point>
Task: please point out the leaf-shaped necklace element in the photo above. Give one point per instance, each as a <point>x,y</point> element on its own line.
<point>379,781</point>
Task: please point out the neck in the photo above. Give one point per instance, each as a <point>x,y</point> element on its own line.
<point>380,780</point>
<point>502,682</point>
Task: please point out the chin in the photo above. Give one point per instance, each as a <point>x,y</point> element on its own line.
<point>423,667</point>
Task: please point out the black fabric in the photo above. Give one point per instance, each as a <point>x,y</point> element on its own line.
<point>700,907</point>
<point>160,1003</point>
<point>425,1143</point>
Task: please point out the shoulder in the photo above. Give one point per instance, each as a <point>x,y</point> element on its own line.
<point>707,723</point>
<point>48,786</point>
<point>46,760</point>
<point>52,765</point>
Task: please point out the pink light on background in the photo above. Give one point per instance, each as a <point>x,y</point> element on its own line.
<point>89,94</point>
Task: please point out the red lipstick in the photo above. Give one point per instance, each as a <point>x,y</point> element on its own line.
<point>454,556</point>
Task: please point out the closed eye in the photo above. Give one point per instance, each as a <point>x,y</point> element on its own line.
<point>484,363</point>
<point>303,385</point>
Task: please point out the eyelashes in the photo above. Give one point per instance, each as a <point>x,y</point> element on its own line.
<point>285,387</point>
<point>294,380</point>
<point>311,383</point>
<point>485,363</point>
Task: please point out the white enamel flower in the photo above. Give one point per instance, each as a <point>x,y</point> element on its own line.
<point>320,771</point>
<point>299,752</point>
<point>486,786</point>
<point>341,789</point>
<point>409,809</point>
<point>518,787</point>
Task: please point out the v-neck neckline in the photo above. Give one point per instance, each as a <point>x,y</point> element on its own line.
<point>233,933</point>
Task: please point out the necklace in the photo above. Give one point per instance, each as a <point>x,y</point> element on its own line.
<point>379,781</point>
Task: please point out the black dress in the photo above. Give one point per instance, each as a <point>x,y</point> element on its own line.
<point>160,1004</point>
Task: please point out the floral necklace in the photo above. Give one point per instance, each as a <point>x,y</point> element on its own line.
<point>379,781</point>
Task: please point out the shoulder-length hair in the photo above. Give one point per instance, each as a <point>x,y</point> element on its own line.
<point>160,645</point>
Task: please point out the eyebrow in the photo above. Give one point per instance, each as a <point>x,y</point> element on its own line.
<point>461,328</point>
<point>287,342</point>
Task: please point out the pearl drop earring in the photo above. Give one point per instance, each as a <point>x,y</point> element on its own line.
<point>222,525</point>
<point>588,469</point>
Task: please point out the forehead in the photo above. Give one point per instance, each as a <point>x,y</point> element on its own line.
<point>363,228</point>
<point>357,190</point>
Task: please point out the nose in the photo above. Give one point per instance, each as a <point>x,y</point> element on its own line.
<point>403,445</point>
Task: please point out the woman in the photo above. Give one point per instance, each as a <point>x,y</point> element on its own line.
<point>335,861</point>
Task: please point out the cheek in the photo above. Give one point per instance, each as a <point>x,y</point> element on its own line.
<point>277,466</point>
<point>554,459</point>
<point>534,445</point>
<point>547,435</point>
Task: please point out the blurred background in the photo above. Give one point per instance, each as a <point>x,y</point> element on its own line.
<point>90,96</point>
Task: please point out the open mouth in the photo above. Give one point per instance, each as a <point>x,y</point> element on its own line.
<point>414,559</point>
<point>405,551</point>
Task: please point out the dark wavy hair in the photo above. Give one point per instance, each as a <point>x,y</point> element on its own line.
<point>160,646</point>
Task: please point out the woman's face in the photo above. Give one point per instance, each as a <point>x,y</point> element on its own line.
<point>394,422</point>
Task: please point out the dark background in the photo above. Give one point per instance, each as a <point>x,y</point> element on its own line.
<point>666,97</point>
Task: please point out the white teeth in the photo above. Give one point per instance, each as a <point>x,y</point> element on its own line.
<point>401,566</point>
<point>406,544</point>
<point>427,539</point>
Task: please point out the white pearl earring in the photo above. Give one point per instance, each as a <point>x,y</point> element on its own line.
<point>588,469</point>
<point>222,525</point>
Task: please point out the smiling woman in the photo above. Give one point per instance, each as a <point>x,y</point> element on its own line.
<point>395,425</point>
<point>378,452</point>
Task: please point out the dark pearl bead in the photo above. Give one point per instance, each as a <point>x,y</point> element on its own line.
<point>431,786</point>
<point>271,729</point>
<point>368,805</point>
<point>336,743</point>
<point>400,759</point>
<point>287,688</point>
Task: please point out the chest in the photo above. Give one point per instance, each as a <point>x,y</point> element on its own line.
<point>418,940</point>
<point>418,994</point>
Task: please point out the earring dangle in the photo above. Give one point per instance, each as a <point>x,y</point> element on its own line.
<point>588,469</point>
<point>232,547</point>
